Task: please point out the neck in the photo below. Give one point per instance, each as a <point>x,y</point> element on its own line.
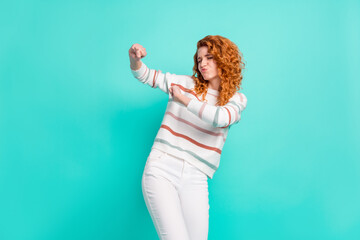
<point>214,83</point>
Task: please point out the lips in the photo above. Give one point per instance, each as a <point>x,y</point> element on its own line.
<point>203,69</point>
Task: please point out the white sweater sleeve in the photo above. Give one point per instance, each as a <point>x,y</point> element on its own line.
<point>220,116</point>
<point>154,78</point>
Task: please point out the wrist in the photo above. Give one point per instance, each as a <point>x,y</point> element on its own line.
<point>135,64</point>
<point>185,100</point>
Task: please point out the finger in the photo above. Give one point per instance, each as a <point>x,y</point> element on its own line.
<point>138,53</point>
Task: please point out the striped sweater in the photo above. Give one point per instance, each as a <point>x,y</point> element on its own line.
<point>196,132</point>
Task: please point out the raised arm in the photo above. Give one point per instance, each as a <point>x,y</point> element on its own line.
<point>153,78</point>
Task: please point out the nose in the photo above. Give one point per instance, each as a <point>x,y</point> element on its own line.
<point>203,63</point>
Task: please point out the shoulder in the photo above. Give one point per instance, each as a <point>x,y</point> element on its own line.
<point>185,80</point>
<point>239,99</point>
<point>242,97</point>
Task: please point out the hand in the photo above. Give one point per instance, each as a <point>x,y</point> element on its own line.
<point>176,93</point>
<point>137,52</point>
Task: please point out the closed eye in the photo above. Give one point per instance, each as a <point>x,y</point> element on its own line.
<point>207,58</point>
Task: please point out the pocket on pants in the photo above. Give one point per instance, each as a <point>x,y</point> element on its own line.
<point>197,172</point>
<point>153,162</point>
<point>155,154</point>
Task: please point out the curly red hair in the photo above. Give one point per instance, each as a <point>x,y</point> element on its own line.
<point>230,66</point>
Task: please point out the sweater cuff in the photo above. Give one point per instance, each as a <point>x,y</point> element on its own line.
<point>140,72</point>
<point>194,106</point>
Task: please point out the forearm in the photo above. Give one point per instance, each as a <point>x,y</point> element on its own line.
<point>219,116</point>
<point>184,100</point>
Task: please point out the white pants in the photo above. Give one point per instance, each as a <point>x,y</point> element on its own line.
<point>176,195</point>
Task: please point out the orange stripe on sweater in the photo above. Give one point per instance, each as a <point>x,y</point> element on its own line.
<point>212,94</point>
<point>185,89</point>
<point>195,126</point>
<point>229,118</point>
<point>144,73</point>
<point>201,110</point>
<point>154,79</point>
<point>237,114</point>
<point>190,139</point>
<point>241,97</point>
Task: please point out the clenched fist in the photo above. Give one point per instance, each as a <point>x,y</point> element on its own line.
<point>136,53</point>
<point>175,92</point>
<point>178,96</point>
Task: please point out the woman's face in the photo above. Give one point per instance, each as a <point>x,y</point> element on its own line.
<point>206,64</point>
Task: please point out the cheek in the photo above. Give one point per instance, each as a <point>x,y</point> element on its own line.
<point>215,68</point>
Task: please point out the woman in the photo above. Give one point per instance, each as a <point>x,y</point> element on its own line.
<point>187,148</point>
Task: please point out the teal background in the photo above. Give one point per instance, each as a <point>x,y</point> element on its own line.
<point>76,127</point>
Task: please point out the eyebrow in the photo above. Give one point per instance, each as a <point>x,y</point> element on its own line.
<point>205,55</point>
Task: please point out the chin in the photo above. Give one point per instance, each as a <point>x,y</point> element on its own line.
<point>205,78</point>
